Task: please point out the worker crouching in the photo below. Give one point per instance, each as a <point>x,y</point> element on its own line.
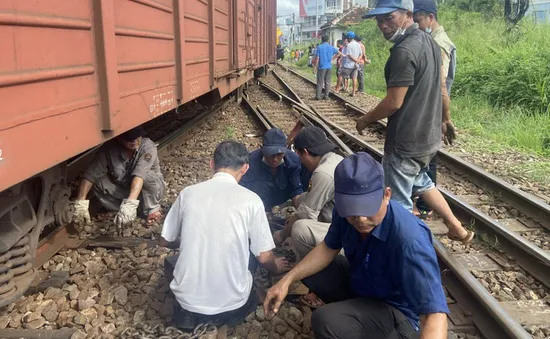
<point>275,171</point>
<point>388,285</point>
<point>124,176</point>
<point>222,232</point>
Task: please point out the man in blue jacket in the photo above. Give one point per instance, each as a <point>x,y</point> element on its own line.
<point>275,171</point>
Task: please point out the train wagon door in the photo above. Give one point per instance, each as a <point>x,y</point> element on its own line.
<point>239,38</point>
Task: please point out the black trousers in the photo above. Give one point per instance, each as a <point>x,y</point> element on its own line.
<point>189,320</point>
<point>432,173</point>
<point>349,317</point>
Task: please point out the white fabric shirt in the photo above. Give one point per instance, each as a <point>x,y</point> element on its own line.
<point>216,219</point>
<point>353,49</point>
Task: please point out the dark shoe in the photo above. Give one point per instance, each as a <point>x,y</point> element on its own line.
<point>185,320</point>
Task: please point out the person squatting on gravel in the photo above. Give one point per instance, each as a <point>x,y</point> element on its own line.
<point>388,285</point>
<point>221,229</point>
<point>275,171</point>
<point>125,175</point>
<point>310,223</point>
<point>416,104</point>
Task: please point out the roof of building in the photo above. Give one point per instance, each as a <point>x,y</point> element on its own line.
<point>350,17</point>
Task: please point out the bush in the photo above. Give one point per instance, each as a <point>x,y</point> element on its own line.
<point>507,67</point>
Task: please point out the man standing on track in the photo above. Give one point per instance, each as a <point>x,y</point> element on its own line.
<point>275,171</point>
<point>125,172</point>
<point>363,62</point>
<point>323,59</point>
<point>221,230</point>
<point>425,15</point>
<point>388,285</point>
<point>413,106</point>
<point>350,67</point>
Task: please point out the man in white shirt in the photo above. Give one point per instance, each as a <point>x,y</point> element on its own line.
<point>351,62</point>
<point>217,225</point>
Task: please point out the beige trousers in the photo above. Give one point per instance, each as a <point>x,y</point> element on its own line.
<point>306,234</point>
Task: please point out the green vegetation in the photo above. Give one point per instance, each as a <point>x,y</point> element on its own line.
<point>229,132</point>
<point>502,87</point>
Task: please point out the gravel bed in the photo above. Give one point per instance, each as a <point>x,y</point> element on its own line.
<point>124,292</point>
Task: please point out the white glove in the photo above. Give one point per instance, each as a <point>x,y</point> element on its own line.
<point>127,212</point>
<point>81,214</point>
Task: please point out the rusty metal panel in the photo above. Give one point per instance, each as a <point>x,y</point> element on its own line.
<point>222,38</point>
<point>135,59</point>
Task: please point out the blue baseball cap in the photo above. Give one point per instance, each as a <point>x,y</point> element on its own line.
<point>388,6</point>
<point>350,35</point>
<point>274,142</point>
<point>425,5</point>
<point>358,186</point>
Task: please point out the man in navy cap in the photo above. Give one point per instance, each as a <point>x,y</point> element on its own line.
<point>274,172</point>
<point>388,285</point>
<point>414,108</point>
<point>125,175</point>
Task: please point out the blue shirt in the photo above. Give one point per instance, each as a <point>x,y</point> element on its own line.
<point>274,189</point>
<point>325,52</point>
<point>396,263</point>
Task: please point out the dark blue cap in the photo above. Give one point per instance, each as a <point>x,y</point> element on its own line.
<point>358,186</point>
<point>274,142</point>
<point>388,6</point>
<point>425,5</point>
<point>133,134</point>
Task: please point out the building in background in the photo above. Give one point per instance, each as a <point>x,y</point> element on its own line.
<point>336,27</point>
<point>540,10</point>
<point>325,11</point>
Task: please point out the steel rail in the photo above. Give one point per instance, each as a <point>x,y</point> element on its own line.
<point>523,201</point>
<point>531,257</point>
<point>492,320</point>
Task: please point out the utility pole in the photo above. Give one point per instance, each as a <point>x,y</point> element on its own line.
<point>317,19</point>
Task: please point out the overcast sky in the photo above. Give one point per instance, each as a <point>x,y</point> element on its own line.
<point>287,7</point>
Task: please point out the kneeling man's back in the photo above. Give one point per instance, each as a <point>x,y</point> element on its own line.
<point>220,223</point>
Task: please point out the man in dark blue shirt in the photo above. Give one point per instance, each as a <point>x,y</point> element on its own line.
<point>275,172</point>
<point>388,285</point>
<point>323,58</point>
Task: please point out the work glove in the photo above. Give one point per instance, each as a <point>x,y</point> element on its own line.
<point>449,132</point>
<point>81,214</point>
<point>127,213</point>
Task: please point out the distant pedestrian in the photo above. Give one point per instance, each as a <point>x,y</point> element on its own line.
<point>413,106</point>
<point>323,61</point>
<point>425,15</point>
<point>353,54</point>
<point>363,61</point>
<point>342,84</point>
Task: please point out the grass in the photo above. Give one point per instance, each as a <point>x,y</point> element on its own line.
<point>229,132</point>
<point>501,94</point>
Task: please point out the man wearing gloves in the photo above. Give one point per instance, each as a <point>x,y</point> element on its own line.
<point>125,173</point>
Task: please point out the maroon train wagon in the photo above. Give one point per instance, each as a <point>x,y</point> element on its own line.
<point>74,74</point>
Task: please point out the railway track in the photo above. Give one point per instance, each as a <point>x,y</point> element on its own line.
<point>507,277</point>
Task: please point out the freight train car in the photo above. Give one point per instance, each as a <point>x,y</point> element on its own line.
<point>74,74</point>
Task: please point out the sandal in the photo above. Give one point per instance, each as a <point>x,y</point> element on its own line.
<point>467,239</point>
<point>153,217</point>
<point>310,300</point>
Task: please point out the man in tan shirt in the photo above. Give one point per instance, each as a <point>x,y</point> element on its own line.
<point>425,15</point>
<point>310,224</point>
